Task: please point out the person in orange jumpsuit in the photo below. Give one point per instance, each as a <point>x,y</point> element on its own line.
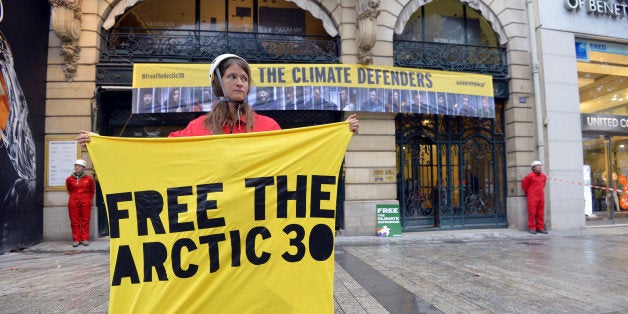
<point>533,185</point>
<point>81,188</point>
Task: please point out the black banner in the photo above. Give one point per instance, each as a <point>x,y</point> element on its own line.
<point>24,27</point>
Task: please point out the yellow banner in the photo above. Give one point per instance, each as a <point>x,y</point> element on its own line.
<point>224,223</point>
<point>147,75</point>
<point>166,74</point>
<point>168,88</point>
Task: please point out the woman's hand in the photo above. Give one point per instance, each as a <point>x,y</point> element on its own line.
<point>354,124</point>
<point>83,138</point>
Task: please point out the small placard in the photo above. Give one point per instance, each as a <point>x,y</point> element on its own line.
<point>60,157</point>
<point>384,175</point>
<point>388,223</point>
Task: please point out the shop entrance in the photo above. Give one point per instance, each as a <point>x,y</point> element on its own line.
<point>605,168</point>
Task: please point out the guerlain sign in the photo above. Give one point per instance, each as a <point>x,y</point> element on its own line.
<point>611,8</point>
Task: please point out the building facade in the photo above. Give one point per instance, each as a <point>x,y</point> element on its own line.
<point>445,171</point>
<point>583,62</point>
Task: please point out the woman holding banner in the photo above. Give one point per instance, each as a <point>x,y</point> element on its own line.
<point>230,76</point>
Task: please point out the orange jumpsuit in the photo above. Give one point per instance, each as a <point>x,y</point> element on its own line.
<point>533,185</point>
<point>81,188</point>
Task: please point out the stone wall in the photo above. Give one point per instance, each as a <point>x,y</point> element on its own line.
<point>70,103</point>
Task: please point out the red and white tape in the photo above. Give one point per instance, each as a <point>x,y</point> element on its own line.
<point>582,184</point>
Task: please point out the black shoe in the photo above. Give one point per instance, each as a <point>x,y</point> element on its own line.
<point>542,231</point>
<point>532,231</point>
<point>75,243</point>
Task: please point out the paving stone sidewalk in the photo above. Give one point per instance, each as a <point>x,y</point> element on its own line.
<point>481,271</point>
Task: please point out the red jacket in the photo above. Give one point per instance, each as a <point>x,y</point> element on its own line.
<point>196,127</point>
<point>534,183</point>
<point>81,186</point>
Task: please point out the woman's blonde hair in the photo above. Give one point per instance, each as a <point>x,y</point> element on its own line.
<point>220,114</point>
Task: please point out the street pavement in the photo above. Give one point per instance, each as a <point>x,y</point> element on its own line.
<point>467,271</point>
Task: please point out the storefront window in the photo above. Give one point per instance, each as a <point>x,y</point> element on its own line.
<point>156,14</point>
<point>214,16</point>
<point>605,171</point>
<point>449,22</point>
<point>603,83</point>
<point>602,77</point>
<point>275,17</point>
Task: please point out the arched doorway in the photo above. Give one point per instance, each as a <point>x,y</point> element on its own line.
<point>451,172</point>
<point>196,31</point>
<point>452,168</point>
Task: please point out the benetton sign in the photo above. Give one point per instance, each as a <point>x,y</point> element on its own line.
<point>608,123</point>
<point>616,8</point>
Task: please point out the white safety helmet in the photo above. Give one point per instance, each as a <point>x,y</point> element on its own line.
<point>217,62</point>
<point>536,163</point>
<point>80,162</point>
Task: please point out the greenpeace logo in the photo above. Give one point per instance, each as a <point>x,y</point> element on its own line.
<point>470,83</point>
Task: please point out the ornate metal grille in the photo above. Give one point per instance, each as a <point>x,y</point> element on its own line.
<point>452,172</point>
<point>170,45</point>
<point>123,46</point>
<point>451,57</point>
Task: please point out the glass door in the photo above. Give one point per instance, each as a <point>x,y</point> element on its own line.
<point>619,171</point>
<point>604,173</point>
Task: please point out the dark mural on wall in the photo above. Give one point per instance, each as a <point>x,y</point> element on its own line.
<point>24,26</point>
